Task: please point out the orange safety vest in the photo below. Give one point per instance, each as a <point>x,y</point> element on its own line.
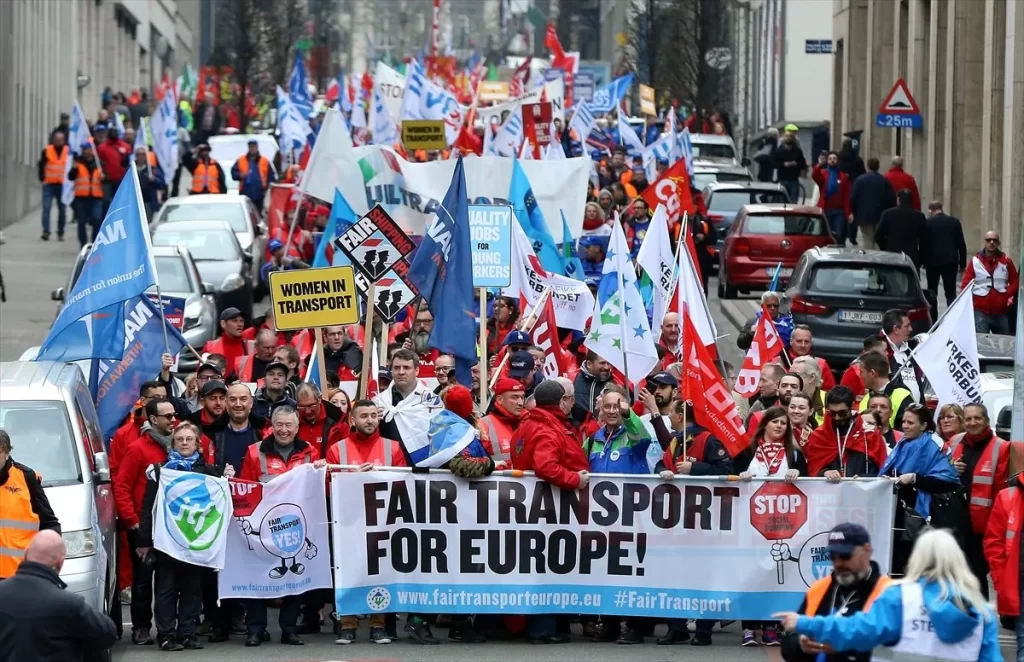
<point>206,178</point>
<point>151,156</point>
<point>53,173</point>
<point>18,524</point>
<point>499,435</point>
<point>380,455</point>
<point>983,487</point>
<point>291,174</point>
<point>88,185</point>
<point>264,165</point>
<point>819,590</point>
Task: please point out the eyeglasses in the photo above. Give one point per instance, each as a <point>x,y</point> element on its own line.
<point>311,405</point>
<point>772,305</point>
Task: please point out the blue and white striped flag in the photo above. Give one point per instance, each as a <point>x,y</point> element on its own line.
<point>447,436</point>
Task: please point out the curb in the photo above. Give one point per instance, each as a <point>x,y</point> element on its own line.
<point>737,318</point>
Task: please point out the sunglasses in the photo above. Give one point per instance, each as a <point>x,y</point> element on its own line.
<point>836,556</point>
<point>993,240</point>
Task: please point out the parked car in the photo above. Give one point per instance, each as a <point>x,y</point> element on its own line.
<point>219,258</point>
<point>713,146</point>
<point>707,171</point>
<point>725,199</point>
<point>48,411</point>
<point>842,293</point>
<point>178,277</point>
<point>760,238</point>
<point>227,149</point>
<point>237,210</point>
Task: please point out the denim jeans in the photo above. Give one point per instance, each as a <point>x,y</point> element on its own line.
<point>837,223</point>
<point>991,323</point>
<point>87,216</point>
<point>52,193</point>
<point>793,188</point>
<point>256,615</point>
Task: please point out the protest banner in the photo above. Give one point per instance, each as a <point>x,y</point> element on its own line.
<point>552,91</point>
<point>390,86</point>
<point>764,348</point>
<point>647,104</point>
<point>625,545</point>
<point>490,228</point>
<point>307,298</point>
<point>191,517</point>
<point>583,86</point>
<point>278,543</point>
<point>174,309</point>
<point>537,126</point>
<point>412,192</point>
<point>493,90</point>
<point>392,292</point>
<point>424,134</point>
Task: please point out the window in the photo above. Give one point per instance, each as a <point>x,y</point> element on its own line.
<point>210,245</point>
<point>713,150</point>
<point>172,274</point>
<point>42,439</point>
<point>788,225</point>
<point>234,215</point>
<point>732,201</point>
<point>865,280</point>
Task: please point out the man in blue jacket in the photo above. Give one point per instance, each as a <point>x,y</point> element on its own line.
<point>254,174</point>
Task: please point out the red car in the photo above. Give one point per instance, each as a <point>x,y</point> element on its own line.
<point>760,238</point>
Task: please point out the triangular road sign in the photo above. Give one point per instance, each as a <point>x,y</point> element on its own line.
<point>899,101</point>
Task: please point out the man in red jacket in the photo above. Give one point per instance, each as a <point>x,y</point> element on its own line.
<point>801,343</point>
<point>833,194</point>
<point>230,343</point>
<point>111,153</point>
<point>129,491</point>
<point>279,453</point>
<point>1002,550</point>
<point>546,444</point>
<point>321,423</point>
<point>902,180</point>
<point>996,281</point>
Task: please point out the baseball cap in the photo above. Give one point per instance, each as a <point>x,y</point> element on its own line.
<point>516,338</point>
<point>276,364</point>
<point>253,141</point>
<point>99,126</point>
<point>845,537</point>
<point>86,145</point>
<point>506,385</point>
<point>791,127</point>
<point>590,240</point>
<point>209,365</point>
<point>230,314</point>
<point>663,379</point>
<point>521,365</point>
<point>274,244</point>
<point>212,387</point>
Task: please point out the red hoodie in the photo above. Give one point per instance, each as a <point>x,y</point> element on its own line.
<point>230,347</point>
<point>901,180</point>
<point>111,153</point>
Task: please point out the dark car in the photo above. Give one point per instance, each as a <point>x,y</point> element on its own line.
<point>762,237</point>
<point>219,258</point>
<point>842,293</point>
<point>724,201</point>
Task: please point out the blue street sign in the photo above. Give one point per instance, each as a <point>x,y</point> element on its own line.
<point>898,121</point>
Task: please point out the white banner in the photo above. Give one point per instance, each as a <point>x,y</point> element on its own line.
<point>390,85</point>
<point>949,357</point>
<point>636,546</point>
<point>278,542</point>
<point>412,192</point>
<point>191,517</point>
<point>553,90</point>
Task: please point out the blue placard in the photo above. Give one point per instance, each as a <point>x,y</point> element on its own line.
<point>818,46</point>
<point>553,74</point>
<point>898,121</point>
<point>583,86</point>
<point>174,310</point>
<point>490,235</point>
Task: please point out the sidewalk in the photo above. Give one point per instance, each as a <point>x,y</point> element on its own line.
<point>32,269</point>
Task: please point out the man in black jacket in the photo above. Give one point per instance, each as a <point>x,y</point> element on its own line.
<point>790,163</point>
<point>902,229</point>
<point>871,195</point>
<point>39,620</point>
<point>341,350</point>
<point>946,250</point>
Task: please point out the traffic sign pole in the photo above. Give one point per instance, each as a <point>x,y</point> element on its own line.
<point>899,141</point>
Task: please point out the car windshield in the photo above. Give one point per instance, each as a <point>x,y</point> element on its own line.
<point>41,439</point>
<point>713,150</point>
<point>172,274</point>
<point>863,279</point>
<point>789,225</point>
<point>732,201</point>
<point>210,245</point>
<point>233,214</point>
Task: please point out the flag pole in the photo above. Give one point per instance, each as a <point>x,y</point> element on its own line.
<point>483,345</point>
<point>622,330</point>
<point>149,248</point>
<point>527,327</point>
<point>966,290</point>
<point>364,377</point>
<point>321,362</point>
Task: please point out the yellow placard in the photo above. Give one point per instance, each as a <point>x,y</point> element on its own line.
<point>493,90</point>
<point>312,298</point>
<point>424,134</point>
<point>647,105</point>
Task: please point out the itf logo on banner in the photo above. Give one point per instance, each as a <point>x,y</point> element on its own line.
<point>192,511</point>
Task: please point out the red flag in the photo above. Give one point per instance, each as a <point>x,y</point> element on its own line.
<point>713,407</point>
<point>552,42</point>
<point>517,86</point>
<point>545,336</point>
<point>764,348</point>
<point>672,190</point>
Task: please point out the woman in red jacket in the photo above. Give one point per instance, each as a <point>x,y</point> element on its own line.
<point>1002,551</point>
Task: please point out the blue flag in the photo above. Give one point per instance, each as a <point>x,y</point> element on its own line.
<point>117,382</point>
<point>298,90</point>
<point>774,285</point>
<point>607,98</point>
<point>119,267</point>
<point>571,265</point>
<point>341,219</point>
<point>442,270</point>
<point>531,219</point>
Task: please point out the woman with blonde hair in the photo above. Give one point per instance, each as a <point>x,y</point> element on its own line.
<point>937,612</point>
<point>951,424</point>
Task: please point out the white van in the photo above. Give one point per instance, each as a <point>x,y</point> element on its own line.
<point>47,410</point>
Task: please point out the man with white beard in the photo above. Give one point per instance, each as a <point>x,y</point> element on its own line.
<point>418,340</point>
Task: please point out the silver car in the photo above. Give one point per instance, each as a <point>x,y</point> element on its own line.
<point>47,410</point>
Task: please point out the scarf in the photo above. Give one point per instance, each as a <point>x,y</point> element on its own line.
<point>163,439</point>
<point>179,463</point>
<point>974,440</point>
<point>923,457</point>
<point>833,183</point>
<point>770,455</point>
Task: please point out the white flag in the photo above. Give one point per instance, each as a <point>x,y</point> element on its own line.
<point>691,297</point>
<point>628,137</point>
<point>423,100</point>
<point>656,258</point>
<point>582,121</point>
<point>554,151</point>
<point>191,517</point>
<point>619,331</point>
<point>949,357</point>
<point>509,137</point>
<point>292,127</point>
<point>382,126</point>
<point>277,539</point>
<point>163,126</point>
<point>571,298</point>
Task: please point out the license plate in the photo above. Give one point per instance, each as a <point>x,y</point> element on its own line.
<point>783,273</point>
<point>860,317</point>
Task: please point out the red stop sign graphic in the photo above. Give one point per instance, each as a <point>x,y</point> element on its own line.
<point>245,496</point>
<point>778,510</point>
